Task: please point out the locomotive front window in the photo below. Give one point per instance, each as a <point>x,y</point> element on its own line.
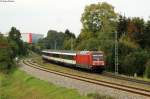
<point>97,57</point>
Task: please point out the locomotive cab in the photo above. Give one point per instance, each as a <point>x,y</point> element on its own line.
<point>98,60</point>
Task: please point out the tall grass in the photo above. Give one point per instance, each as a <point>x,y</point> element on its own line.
<point>18,85</point>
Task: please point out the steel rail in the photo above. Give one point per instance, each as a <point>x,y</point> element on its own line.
<point>92,78</point>
<point>107,74</point>
<point>126,88</point>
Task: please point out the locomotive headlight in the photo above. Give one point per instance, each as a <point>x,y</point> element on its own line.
<point>98,63</point>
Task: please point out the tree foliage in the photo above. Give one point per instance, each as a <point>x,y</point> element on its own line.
<point>11,47</point>
<point>5,54</point>
<point>122,25</point>
<point>135,62</point>
<point>146,36</point>
<point>69,40</point>
<point>147,71</point>
<point>17,45</point>
<point>99,25</point>
<point>98,17</point>
<point>55,39</point>
<point>69,35</point>
<point>58,40</point>
<point>133,35</point>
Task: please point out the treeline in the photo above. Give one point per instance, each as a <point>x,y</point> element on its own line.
<point>134,45</point>
<point>57,40</point>
<point>10,48</point>
<point>100,25</point>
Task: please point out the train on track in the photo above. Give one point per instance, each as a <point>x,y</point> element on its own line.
<point>92,60</point>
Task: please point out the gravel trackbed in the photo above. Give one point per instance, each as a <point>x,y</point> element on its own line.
<point>83,87</point>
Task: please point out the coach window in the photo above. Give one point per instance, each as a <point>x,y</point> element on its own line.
<point>64,56</point>
<point>49,54</point>
<point>45,54</point>
<point>56,55</point>
<point>69,57</point>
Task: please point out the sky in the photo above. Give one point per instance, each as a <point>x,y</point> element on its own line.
<point>39,16</point>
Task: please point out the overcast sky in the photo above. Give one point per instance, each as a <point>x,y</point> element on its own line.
<point>39,16</point>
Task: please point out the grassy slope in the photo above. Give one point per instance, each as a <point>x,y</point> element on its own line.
<point>19,85</point>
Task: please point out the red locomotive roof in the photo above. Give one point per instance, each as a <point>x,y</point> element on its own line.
<point>88,52</point>
<point>83,52</point>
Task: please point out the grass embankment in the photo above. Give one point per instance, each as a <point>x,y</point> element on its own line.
<point>48,65</point>
<point>19,85</point>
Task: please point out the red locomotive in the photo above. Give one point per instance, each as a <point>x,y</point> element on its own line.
<point>84,59</point>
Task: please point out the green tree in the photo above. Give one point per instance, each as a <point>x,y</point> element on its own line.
<point>17,45</point>
<point>69,44</point>
<point>41,43</point>
<point>99,17</point>
<point>122,26</point>
<point>126,46</point>
<point>69,34</point>
<point>99,22</point>
<point>135,62</point>
<point>5,55</point>
<point>54,40</point>
<point>99,25</point>
<point>89,44</point>
<point>147,70</point>
<point>135,30</point>
<point>14,48</point>
<point>14,34</point>
<point>146,37</point>
<point>69,40</point>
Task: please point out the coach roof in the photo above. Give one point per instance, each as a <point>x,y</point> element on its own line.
<point>61,52</point>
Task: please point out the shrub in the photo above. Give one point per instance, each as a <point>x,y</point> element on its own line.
<point>5,60</point>
<point>135,62</point>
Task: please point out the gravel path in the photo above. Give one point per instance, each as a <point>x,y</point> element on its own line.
<point>83,87</point>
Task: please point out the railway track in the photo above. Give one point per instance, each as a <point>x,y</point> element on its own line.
<point>108,74</point>
<point>126,88</point>
<point>123,78</point>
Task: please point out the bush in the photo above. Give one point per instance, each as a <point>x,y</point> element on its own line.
<point>147,71</point>
<point>5,60</point>
<point>135,62</point>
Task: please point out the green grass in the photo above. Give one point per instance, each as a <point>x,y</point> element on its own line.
<point>98,96</point>
<point>19,85</point>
